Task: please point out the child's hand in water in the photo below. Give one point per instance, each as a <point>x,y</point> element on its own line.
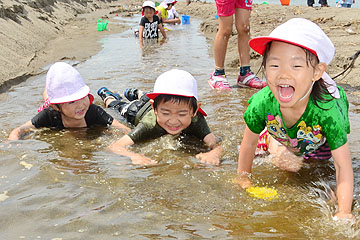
<point>142,160</point>
<point>243,180</point>
<point>342,215</point>
<point>209,158</point>
<point>286,160</point>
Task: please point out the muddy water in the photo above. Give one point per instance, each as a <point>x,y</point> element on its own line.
<point>66,185</point>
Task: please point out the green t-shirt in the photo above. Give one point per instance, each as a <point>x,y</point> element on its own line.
<point>315,128</point>
<point>148,128</point>
<point>163,11</point>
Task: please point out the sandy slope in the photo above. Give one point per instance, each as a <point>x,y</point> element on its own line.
<point>35,34</point>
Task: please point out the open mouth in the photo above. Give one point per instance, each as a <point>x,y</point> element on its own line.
<point>171,128</point>
<point>286,92</point>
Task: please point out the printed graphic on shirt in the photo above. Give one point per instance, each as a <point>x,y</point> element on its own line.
<point>308,138</point>
<point>150,30</point>
<point>248,3</point>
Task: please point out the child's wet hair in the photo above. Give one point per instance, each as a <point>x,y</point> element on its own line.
<point>320,91</point>
<point>163,98</point>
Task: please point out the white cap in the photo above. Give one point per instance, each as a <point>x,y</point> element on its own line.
<point>176,82</point>
<point>149,4</point>
<point>64,84</point>
<point>306,34</point>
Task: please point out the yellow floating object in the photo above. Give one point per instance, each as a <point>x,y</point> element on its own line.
<point>263,193</point>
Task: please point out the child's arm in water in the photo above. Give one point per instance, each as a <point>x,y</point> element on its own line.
<point>119,125</point>
<point>162,30</point>
<point>20,132</point>
<point>120,147</point>
<point>172,21</point>
<point>344,181</point>
<point>141,31</point>
<point>214,155</point>
<point>246,157</point>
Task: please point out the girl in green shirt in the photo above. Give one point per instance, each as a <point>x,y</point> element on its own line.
<point>304,112</point>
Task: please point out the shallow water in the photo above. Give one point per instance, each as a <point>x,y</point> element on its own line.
<point>66,185</point>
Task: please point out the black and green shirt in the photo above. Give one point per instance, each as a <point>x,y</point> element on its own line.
<point>148,128</point>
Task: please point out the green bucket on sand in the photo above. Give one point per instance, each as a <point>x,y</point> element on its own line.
<point>101,26</point>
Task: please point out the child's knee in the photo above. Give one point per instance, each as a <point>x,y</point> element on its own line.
<point>226,31</point>
<point>243,29</point>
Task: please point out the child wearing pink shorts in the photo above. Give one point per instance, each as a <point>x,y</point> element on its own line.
<point>226,9</point>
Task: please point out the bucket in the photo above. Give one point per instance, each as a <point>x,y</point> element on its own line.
<point>185,19</point>
<point>101,26</point>
<point>285,2</point>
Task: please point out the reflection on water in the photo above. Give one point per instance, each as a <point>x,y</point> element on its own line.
<point>74,188</point>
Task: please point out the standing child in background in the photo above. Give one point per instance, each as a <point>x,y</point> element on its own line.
<point>226,9</point>
<point>150,23</point>
<point>171,109</point>
<point>70,104</point>
<point>302,108</point>
<point>164,9</point>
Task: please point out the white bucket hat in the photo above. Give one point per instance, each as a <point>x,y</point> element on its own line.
<point>176,82</point>
<point>306,34</point>
<point>149,4</point>
<point>64,84</point>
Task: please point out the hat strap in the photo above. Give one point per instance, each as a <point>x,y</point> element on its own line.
<point>331,85</point>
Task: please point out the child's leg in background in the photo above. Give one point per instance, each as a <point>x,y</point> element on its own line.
<point>225,11</point>
<point>242,23</point>
<point>221,40</point>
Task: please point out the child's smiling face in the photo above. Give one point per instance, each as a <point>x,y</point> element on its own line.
<point>174,116</point>
<point>289,74</point>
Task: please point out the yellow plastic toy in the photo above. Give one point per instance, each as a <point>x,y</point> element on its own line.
<point>265,193</point>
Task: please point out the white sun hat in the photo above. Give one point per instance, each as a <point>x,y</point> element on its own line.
<point>176,82</point>
<point>149,4</point>
<point>306,34</point>
<point>64,84</point>
<point>165,3</point>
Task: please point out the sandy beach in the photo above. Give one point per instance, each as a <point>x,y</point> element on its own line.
<point>35,34</point>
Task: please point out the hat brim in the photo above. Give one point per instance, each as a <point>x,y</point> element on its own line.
<point>83,92</point>
<point>259,44</point>
<point>154,95</point>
